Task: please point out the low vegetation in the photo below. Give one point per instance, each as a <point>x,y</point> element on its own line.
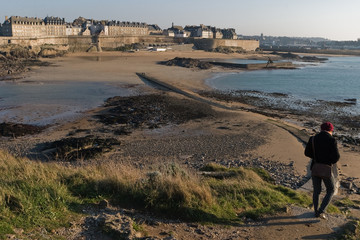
<point>36,195</point>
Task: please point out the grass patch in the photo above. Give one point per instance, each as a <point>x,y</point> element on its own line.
<point>251,197</point>
<point>34,194</point>
<point>263,174</point>
<point>347,203</point>
<point>212,167</point>
<point>31,196</point>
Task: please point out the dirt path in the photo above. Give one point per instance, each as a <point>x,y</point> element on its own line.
<point>296,223</point>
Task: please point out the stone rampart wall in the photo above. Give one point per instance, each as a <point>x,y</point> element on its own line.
<point>114,42</point>
<point>34,41</point>
<point>86,41</point>
<point>208,44</point>
<point>81,43</point>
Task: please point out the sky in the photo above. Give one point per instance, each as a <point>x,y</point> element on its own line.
<point>331,19</point>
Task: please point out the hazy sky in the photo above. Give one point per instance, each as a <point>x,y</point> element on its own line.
<point>332,19</point>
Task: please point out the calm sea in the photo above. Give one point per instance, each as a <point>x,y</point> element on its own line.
<point>44,103</point>
<point>335,80</point>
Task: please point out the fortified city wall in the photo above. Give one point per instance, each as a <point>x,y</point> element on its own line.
<point>86,41</point>
<point>81,43</point>
<point>210,43</point>
<point>35,41</point>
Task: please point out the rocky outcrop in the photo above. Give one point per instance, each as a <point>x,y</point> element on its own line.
<point>17,129</point>
<point>151,111</point>
<point>16,59</point>
<point>227,50</point>
<point>73,149</point>
<point>51,53</point>
<point>117,226</point>
<point>292,56</point>
<point>188,63</point>
<point>13,51</point>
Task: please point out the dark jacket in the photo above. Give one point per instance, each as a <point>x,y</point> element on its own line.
<point>326,149</point>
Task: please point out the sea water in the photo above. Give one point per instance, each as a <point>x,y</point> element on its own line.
<point>43,103</point>
<point>336,79</point>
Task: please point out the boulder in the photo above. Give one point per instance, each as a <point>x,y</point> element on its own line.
<point>116,226</point>
<point>48,53</point>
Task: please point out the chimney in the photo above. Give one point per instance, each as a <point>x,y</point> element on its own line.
<point>6,18</point>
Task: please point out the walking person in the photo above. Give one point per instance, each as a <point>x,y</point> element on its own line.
<point>323,150</point>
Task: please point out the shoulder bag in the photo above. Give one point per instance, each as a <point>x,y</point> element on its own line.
<point>321,170</point>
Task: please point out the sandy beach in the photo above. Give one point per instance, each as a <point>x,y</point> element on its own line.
<point>120,68</point>
<point>227,137</point>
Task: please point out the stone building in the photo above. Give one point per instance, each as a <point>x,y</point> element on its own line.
<point>116,28</point>
<point>85,32</point>
<point>16,26</point>
<point>87,27</point>
<point>229,33</point>
<point>176,31</point>
<point>201,31</point>
<point>217,33</point>
<point>154,29</point>
<point>72,30</point>
<point>55,26</point>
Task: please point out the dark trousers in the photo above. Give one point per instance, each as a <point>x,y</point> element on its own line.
<point>330,189</point>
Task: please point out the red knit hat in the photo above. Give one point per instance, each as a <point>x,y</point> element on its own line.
<point>327,126</point>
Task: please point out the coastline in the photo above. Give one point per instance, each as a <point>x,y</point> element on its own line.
<point>120,68</point>
<point>161,127</point>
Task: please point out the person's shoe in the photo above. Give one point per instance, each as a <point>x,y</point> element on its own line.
<point>322,216</point>
<point>317,214</point>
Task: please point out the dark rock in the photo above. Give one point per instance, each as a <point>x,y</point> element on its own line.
<point>103,204</point>
<point>227,50</point>
<point>346,184</point>
<point>151,111</point>
<point>73,149</point>
<point>290,55</point>
<point>286,55</point>
<point>351,101</point>
<point>117,226</point>
<point>199,231</point>
<point>313,59</point>
<point>51,53</point>
<point>188,63</point>
<point>122,131</point>
<point>17,129</point>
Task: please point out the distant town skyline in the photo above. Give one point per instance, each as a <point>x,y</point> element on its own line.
<point>331,19</point>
